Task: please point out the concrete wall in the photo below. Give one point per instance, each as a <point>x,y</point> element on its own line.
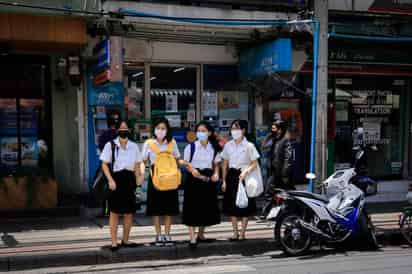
<point>65,135</point>
<point>148,51</point>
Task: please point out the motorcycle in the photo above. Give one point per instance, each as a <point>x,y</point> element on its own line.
<point>334,217</point>
<point>405,218</point>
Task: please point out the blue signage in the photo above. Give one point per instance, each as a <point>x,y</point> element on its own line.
<point>111,94</point>
<point>274,56</point>
<point>102,52</point>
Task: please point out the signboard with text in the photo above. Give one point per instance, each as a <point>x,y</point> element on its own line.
<point>269,57</point>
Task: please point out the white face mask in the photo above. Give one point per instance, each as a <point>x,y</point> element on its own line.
<point>236,133</point>
<point>160,133</point>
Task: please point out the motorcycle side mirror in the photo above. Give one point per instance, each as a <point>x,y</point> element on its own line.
<point>359,154</point>
<point>310,176</point>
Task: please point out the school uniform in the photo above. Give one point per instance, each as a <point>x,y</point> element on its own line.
<point>200,205</point>
<point>239,156</point>
<point>122,200</point>
<point>160,203</point>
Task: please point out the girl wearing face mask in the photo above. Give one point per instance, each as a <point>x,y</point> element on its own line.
<point>239,159</point>
<point>161,203</point>
<point>123,174</point>
<point>200,207</point>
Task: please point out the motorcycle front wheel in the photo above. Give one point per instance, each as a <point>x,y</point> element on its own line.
<point>292,237</point>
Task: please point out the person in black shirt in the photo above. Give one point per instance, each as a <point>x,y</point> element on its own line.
<point>280,169</point>
<point>110,133</point>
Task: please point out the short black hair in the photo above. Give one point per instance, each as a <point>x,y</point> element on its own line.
<point>163,120</point>
<point>283,125</point>
<point>242,124</point>
<point>212,138</point>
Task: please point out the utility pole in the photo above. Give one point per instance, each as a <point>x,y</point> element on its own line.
<point>321,14</point>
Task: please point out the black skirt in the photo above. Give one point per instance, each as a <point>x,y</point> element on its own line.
<point>229,198</point>
<point>123,200</point>
<point>161,203</point>
<point>200,206</point>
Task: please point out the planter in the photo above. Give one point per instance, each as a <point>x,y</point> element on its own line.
<point>14,193</point>
<point>45,194</point>
<point>28,192</point>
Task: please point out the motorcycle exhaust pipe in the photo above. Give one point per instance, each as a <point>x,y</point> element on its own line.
<point>314,229</point>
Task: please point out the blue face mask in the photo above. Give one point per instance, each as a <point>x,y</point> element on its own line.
<point>202,136</point>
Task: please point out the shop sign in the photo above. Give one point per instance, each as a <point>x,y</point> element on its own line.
<point>111,94</point>
<point>270,57</point>
<point>392,6</point>
<point>109,64</point>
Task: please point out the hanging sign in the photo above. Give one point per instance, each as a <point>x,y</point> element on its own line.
<point>274,56</point>
<point>109,64</point>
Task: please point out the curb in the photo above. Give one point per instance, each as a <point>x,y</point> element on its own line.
<point>146,253</point>
<point>150,253</point>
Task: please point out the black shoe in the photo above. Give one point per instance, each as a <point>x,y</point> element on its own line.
<point>192,245</point>
<point>234,239</point>
<point>114,248</point>
<point>205,240</point>
<point>130,245</point>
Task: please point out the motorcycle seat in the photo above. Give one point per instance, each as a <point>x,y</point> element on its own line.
<point>310,195</point>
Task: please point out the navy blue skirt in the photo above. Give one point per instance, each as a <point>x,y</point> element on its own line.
<point>229,198</point>
<point>123,199</point>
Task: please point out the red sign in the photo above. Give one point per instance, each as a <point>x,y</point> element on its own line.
<point>101,78</point>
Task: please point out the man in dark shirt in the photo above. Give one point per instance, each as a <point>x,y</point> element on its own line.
<point>280,170</point>
<point>110,133</point>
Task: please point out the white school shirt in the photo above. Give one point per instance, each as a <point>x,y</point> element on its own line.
<point>125,159</point>
<point>239,155</point>
<point>203,156</point>
<point>148,154</point>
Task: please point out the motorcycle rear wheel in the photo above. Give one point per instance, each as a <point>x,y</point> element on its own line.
<point>292,237</point>
<point>405,225</point>
<point>368,234</point>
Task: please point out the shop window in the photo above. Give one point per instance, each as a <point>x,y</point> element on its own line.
<point>135,103</point>
<point>374,104</point>
<point>173,95</point>
<point>222,100</point>
<point>25,139</point>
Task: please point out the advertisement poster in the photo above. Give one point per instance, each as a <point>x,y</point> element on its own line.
<point>174,120</point>
<point>210,104</point>
<point>29,151</point>
<point>8,116</point>
<point>171,103</point>
<point>229,99</point>
<point>9,151</point>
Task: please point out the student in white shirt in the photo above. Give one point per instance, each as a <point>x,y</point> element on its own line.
<point>122,182</point>
<point>200,206</point>
<point>161,203</point>
<point>239,159</point>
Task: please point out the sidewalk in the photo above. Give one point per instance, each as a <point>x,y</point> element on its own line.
<point>42,242</point>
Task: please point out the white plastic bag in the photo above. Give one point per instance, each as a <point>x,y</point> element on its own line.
<point>241,196</point>
<point>254,183</point>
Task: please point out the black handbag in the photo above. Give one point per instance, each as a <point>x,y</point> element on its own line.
<point>101,190</point>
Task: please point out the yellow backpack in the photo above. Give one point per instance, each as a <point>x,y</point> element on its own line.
<point>166,175</point>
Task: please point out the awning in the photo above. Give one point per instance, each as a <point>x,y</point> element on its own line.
<point>154,29</point>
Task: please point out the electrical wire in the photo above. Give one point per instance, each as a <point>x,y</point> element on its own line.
<point>39,7</point>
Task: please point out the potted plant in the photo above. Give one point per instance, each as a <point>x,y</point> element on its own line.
<point>27,188</point>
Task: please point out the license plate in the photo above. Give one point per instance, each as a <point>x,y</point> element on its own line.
<point>273,213</point>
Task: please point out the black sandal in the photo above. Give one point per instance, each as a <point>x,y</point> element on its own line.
<point>114,248</point>
<point>130,245</point>
<point>234,239</point>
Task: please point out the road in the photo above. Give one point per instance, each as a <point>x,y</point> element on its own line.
<point>388,260</point>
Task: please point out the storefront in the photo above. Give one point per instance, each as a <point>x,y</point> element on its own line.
<point>370,89</point>
<point>25,122</point>
<point>40,119</point>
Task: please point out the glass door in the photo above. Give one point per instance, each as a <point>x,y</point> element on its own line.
<point>173,93</point>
